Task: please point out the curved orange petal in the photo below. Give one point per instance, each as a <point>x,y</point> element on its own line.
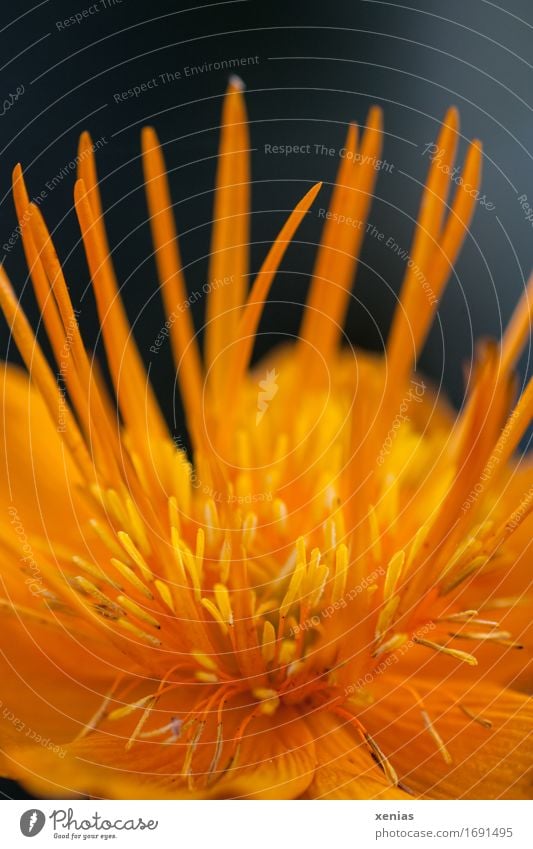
<point>345,767</point>
<point>484,730</point>
<point>274,761</point>
<point>38,478</point>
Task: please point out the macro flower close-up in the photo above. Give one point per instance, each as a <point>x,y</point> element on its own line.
<point>322,591</point>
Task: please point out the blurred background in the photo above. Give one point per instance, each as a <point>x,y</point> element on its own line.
<point>309,68</point>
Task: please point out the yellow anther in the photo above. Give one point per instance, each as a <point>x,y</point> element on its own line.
<point>287,652</point>
<point>125,710</point>
<point>130,576</point>
<point>392,576</point>
<point>293,588</point>
<point>206,677</point>
<point>395,642</point>
<point>106,537</point>
<point>268,643</point>
<point>386,615</point>
<point>205,661</point>
<point>341,572</point>
<point>456,653</point>
<point>137,632</point>
<point>165,593</point>
<point>173,513</point>
<point>94,571</point>
<point>269,700</point>
<point>224,603</point>
<point>137,611</point>
<point>131,549</point>
<point>191,565</point>
<point>215,613</point>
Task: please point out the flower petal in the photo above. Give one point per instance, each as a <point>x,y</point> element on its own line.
<point>38,478</point>
<point>487,744</point>
<point>276,760</point>
<point>345,768</point>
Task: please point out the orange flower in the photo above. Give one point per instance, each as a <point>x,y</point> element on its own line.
<point>328,601</point>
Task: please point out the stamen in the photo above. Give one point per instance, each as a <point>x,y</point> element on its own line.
<point>281,514</point>
<point>248,529</point>
<point>486,723</point>
<point>99,714</point>
<point>105,606</point>
<point>130,576</point>
<point>341,572</point>
<point>217,753</point>
<point>94,571</point>
<point>165,594</point>
<point>463,616</point>
<point>268,642</point>
<point>191,564</point>
<point>437,738</point>
<point>106,537</point>
<point>175,726</point>
<point>223,601</point>
<point>215,613</point>
<point>205,661</point>
<point>141,723</point>
<point>187,763</point>
<point>173,513</point>
<point>138,528</point>
<point>269,700</point>
<point>395,642</point>
<point>481,635</point>
<point>200,549</point>
<point>131,549</point>
<point>142,635</point>
<point>41,617</point>
<point>458,655</point>
<point>211,522</point>
<point>386,765</point>
<point>225,560</point>
<point>206,677</point>
<point>416,545</point>
<point>392,575</point>
<point>126,710</point>
<point>504,603</point>
<point>178,556</point>
<point>293,588</point>
<point>386,615</point>
<point>137,611</point>
<point>463,574</point>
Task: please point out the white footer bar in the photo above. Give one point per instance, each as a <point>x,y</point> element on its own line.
<point>267,825</point>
